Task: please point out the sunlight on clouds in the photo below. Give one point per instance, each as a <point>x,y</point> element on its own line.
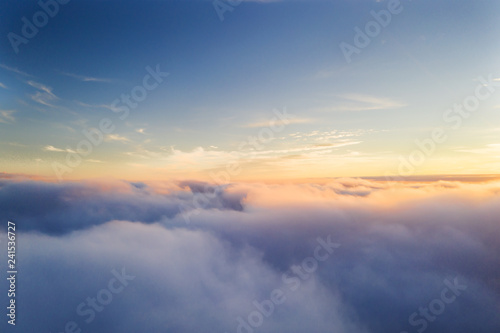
<point>116,137</point>
<point>57,150</point>
<point>492,150</point>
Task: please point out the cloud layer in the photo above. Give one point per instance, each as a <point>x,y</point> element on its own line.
<point>400,246</point>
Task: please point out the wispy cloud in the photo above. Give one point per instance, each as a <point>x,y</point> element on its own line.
<point>99,106</point>
<point>42,87</point>
<point>489,149</point>
<point>57,150</point>
<point>326,136</point>
<point>315,147</point>
<point>85,78</point>
<point>15,70</point>
<point>327,73</point>
<point>199,158</point>
<point>16,144</point>
<point>3,86</point>
<point>6,116</point>
<point>288,122</point>
<point>116,137</point>
<point>359,102</point>
<point>44,96</point>
<point>65,127</point>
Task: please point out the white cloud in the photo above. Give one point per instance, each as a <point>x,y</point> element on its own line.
<point>15,70</point>
<point>85,78</point>
<point>116,137</point>
<point>359,102</point>
<point>489,149</point>
<point>234,253</point>
<point>288,122</point>
<point>57,150</point>
<point>44,96</point>
<point>103,106</point>
<point>6,116</point>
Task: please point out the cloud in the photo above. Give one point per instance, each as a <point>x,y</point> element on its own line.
<point>90,205</point>
<point>15,70</point>
<point>116,137</point>
<point>100,106</point>
<point>490,150</point>
<point>44,96</point>
<point>6,116</point>
<point>52,148</point>
<point>398,244</point>
<point>320,149</point>
<point>359,102</point>
<point>295,120</point>
<point>41,87</point>
<point>3,86</point>
<point>16,144</point>
<point>57,150</point>
<point>86,78</point>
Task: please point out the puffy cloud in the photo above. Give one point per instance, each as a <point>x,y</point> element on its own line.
<point>399,243</point>
<point>60,208</point>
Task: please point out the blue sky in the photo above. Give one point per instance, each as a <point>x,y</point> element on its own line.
<point>226,76</point>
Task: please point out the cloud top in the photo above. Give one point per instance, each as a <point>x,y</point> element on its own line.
<point>400,246</point>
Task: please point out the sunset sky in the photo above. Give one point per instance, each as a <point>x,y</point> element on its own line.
<point>227,78</point>
<point>253,166</point>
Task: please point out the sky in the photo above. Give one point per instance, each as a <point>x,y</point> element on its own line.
<point>251,166</point>
<point>225,74</point>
